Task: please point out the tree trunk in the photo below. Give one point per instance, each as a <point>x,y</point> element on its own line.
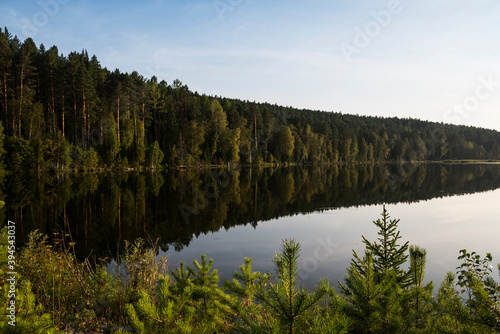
<point>255,127</point>
<point>74,105</point>
<point>84,115</point>
<point>118,119</point>
<point>135,124</point>
<point>21,100</point>
<point>5,108</point>
<point>143,116</point>
<point>62,113</point>
<point>30,127</point>
<point>54,122</point>
<point>255,198</point>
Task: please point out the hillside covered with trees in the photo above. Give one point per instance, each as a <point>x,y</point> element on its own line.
<point>68,112</point>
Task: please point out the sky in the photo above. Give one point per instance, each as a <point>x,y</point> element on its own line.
<point>435,60</point>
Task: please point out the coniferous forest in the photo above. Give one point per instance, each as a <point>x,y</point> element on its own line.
<point>68,112</point>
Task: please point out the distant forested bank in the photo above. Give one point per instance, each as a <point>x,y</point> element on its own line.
<point>69,113</point>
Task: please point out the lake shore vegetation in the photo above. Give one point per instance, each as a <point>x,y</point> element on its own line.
<point>384,291</point>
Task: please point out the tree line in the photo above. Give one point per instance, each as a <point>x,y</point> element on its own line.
<point>68,112</point>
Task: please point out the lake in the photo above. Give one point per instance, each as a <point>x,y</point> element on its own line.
<point>230,214</point>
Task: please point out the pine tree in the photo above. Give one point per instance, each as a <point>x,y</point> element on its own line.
<point>372,299</point>
<point>110,146</point>
<point>420,305</point>
<point>165,313</point>
<point>30,316</point>
<point>212,300</point>
<point>139,147</point>
<point>89,102</point>
<point>5,73</point>
<point>375,285</point>
<point>73,65</point>
<point>387,254</point>
<point>154,155</point>
<point>290,306</point>
<point>249,315</point>
<point>25,91</point>
<point>332,318</point>
<point>246,282</point>
<point>209,304</point>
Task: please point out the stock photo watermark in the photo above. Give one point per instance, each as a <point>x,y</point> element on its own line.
<point>486,87</point>
<point>407,167</point>
<point>11,273</point>
<point>48,10</point>
<point>225,7</point>
<point>322,252</point>
<point>201,199</point>
<point>364,36</point>
<point>158,71</point>
<point>459,113</point>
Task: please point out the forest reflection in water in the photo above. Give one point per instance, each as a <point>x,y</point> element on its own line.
<point>102,210</point>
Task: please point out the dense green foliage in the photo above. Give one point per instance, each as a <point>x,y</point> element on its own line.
<point>68,112</point>
<point>55,293</point>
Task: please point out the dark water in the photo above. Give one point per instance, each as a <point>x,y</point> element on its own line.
<point>232,214</point>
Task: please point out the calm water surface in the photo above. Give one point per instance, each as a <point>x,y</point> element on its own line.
<point>443,226</point>
<point>233,214</point>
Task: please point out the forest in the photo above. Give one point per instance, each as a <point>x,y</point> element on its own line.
<point>69,113</point>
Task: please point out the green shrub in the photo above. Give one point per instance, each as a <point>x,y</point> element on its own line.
<point>29,315</point>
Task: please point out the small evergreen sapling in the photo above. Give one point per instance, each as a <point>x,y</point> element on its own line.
<point>380,295</point>
<point>211,304</point>
<point>214,303</point>
<point>193,304</point>
<point>250,317</point>
<point>165,313</point>
<point>30,316</point>
<point>420,304</point>
<point>246,282</point>
<point>387,254</point>
<point>290,306</point>
<point>372,299</point>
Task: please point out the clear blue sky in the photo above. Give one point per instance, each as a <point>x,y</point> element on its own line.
<point>431,59</point>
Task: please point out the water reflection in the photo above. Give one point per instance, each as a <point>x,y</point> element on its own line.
<point>103,210</point>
